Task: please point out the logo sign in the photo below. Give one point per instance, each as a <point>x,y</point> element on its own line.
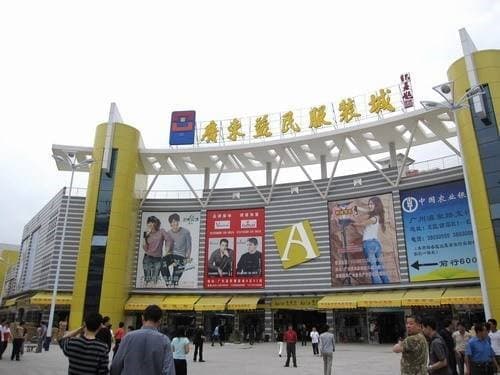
<point>182,128</point>
<point>247,224</point>
<point>296,244</point>
<point>222,224</point>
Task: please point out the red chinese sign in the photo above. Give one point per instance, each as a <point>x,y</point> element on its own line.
<point>234,249</point>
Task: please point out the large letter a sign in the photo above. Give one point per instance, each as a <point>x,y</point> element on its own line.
<point>296,244</point>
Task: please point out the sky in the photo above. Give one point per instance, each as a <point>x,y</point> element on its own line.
<point>64,62</point>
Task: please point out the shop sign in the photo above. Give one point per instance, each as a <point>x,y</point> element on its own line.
<point>296,244</point>
<point>295,303</point>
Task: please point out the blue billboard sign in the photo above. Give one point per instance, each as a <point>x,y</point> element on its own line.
<point>438,233</point>
<point>182,128</point>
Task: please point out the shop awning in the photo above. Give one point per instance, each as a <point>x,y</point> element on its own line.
<point>185,303</point>
<point>243,303</point>
<point>10,302</point>
<point>422,297</point>
<point>212,303</point>
<point>140,302</point>
<point>462,296</point>
<point>390,298</point>
<point>45,298</point>
<point>339,301</point>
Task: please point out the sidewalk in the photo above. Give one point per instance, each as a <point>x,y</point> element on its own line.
<point>237,359</point>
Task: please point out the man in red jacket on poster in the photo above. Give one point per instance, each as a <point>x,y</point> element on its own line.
<point>290,337</point>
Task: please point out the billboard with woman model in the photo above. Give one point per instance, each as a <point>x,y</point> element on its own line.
<point>168,250</point>
<point>363,241</point>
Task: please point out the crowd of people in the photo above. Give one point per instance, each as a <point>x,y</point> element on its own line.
<point>451,350</point>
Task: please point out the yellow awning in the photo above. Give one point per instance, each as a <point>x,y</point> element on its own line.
<point>422,297</point>
<point>295,303</point>
<point>339,301</point>
<point>10,302</point>
<point>185,303</point>
<point>391,298</point>
<point>140,302</point>
<point>462,296</point>
<point>243,303</point>
<point>45,298</point>
<point>211,303</point>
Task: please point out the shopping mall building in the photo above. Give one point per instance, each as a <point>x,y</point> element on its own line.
<point>357,250</point>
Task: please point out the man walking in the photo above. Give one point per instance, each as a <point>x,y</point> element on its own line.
<point>290,337</point>
<point>479,355</point>
<point>326,348</point>
<point>4,336</point>
<point>17,340</point>
<point>104,334</point>
<point>199,337</point>
<point>42,335</point>
<point>86,354</point>
<point>438,353</point>
<point>446,333</point>
<point>495,339</point>
<point>146,350</point>
<point>461,337</point>
<point>315,340</point>
<point>413,348</point>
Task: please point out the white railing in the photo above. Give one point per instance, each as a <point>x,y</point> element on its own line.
<point>434,164</point>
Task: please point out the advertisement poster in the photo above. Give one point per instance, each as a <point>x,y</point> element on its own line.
<point>168,250</point>
<point>363,241</point>
<point>438,233</point>
<point>234,254</point>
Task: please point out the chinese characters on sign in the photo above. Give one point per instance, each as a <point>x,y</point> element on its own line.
<point>363,241</point>
<point>438,233</point>
<point>406,90</point>
<point>234,254</point>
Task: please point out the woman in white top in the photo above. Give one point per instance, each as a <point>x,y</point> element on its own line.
<point>180,347</point>
<point>371,244</point>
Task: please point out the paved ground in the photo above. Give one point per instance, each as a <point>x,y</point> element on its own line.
<point>238,359</point>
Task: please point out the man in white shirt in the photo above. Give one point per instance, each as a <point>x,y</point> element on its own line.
<point>495,338</point>
<point>314,340</point>
<point>461,337</point>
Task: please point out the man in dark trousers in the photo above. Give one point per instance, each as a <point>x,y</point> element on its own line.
<point>446,333</point>
<point>199,337</point>
<point>290,337</point>
<point>479,355</point>
<point>438,353</point>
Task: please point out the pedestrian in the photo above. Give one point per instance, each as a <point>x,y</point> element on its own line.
<point>17,340</point>
<point>279,339</point>
<point>413,349</point>
<point>303,335</point>
<point>5,335</point>
<point>438,352</point>
<point>146,350</point>
<point>446,333</point>
<point>461,337</point>
<point>326,348</point>
<point>216,335</point>
<point>495,339</point>
<point>104,334</point>
<point>314,340</point>
<point>85,353</point>
<point>199,338</point>
<point>180,348</point>
<point>479,355</point>
<point>41,336</point>
<point>120,332</point>
<point>290,337</point>
<point>25,336</point>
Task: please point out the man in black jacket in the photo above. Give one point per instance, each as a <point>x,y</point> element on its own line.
<point>446,334</point>
<point>104,334</point>
<point>198,339</point>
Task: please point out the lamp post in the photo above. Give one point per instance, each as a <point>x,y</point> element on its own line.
<point>475,93</point>
<point>7,270</point>
<point>71,160</point>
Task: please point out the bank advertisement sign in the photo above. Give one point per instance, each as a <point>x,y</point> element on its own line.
<point>438,233</point>
<point>234,252</point>
<point>182,128</point>
<point>363,241</point>
<point>168,250</point>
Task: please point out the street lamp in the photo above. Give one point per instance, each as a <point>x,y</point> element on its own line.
<point>7,270</point>
<point>70,160</point>
<point>475,94</point>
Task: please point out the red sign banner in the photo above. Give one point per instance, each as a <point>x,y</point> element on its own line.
<point>234,249</point>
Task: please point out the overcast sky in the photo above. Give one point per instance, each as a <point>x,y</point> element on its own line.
<point>63,62</point>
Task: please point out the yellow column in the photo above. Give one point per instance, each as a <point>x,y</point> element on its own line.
<point>129,178</point>
<point>488,70</point>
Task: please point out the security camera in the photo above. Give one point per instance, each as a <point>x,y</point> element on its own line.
<point>445,89</point>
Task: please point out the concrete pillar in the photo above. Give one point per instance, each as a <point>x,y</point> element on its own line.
<point>392,153</point>
<point>269,173</point>
<point>322,160</point>
<point>268,323</point>
<point>206,179</point>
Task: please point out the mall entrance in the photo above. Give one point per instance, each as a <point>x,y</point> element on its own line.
<point>297,318</point>
<point>386,326</point>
